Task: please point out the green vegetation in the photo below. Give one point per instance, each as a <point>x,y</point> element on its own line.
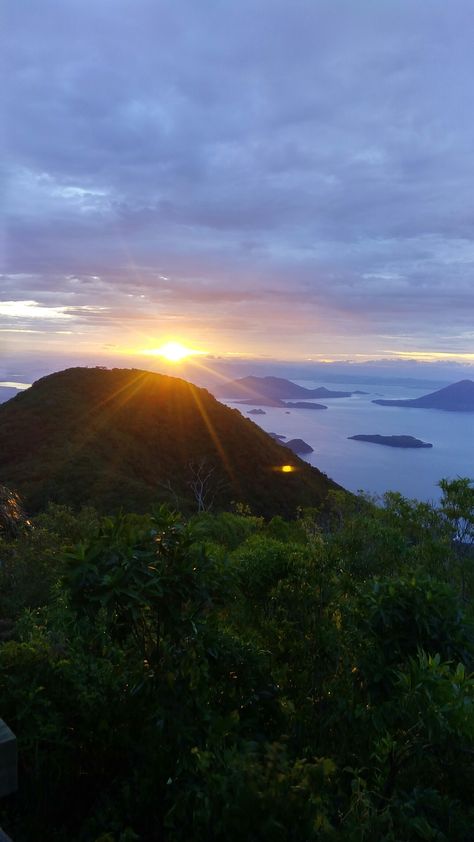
<point>225,677</point>
<point>126,438</point>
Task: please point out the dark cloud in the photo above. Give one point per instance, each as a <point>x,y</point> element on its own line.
<point>255,164</point>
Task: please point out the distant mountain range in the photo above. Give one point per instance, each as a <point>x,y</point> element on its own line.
<point>272,391</point>
<point>458,397</point>
<point>129,438</point>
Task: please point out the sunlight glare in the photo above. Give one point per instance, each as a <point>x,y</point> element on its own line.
<point>174,352</point>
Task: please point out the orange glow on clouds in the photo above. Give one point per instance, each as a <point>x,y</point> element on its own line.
<point>432,356</point>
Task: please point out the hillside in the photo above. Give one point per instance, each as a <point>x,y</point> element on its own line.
<point>271,390</point>
<point>129,438</point>
<point>458,397</point>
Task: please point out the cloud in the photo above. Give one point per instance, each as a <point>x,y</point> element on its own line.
<point>302,168</point>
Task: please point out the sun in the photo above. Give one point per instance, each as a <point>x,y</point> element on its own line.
<point>174,352</point>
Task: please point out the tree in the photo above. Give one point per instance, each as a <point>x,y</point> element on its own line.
<point>204,483</point>
<point>12,516</point>
<point>457,510</point>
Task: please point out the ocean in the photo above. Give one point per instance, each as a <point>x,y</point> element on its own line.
<point>361,466</point>
<point>374,468</point>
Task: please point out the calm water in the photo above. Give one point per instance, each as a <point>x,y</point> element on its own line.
<point>371,467</point>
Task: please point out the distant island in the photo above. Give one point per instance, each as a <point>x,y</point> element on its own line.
<point>256,412</point>
<point>393,441</point>
<point>299,446</point>
<point>271,391</point>
<point>304,405</point>
<point>458,397</point>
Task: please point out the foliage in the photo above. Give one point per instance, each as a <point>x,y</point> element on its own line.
<point>12,516</point>
<point>130,439</point>
<point>226,678</point>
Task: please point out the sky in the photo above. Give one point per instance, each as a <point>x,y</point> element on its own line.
<point>259,179</point>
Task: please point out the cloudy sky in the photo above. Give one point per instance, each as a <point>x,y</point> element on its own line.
<point>262,177</point>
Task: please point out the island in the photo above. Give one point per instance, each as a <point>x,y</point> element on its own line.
<point>392,441</point>
<point>270,391</point>
<point>256,412</point>
<point>458,397</point>
<point>299,446</point>
<point>304,405</point>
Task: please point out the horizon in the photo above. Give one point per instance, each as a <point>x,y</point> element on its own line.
<point>289,194</point>
<point>212,372</point>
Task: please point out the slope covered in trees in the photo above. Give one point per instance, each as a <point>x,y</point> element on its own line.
<point>226,678</point>
<point>127,438</point>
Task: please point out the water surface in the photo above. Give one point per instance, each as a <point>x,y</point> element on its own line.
<point>372,467</point>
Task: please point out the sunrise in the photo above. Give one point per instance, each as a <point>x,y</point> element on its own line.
<point>236,421</point>
<point>174,352</point>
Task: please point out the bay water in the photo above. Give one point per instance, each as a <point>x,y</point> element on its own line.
<point>374,468</point>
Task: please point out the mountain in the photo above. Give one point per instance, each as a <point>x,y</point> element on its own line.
<point>273,389</point>
<point>130,438</point>
<point>459,397</point>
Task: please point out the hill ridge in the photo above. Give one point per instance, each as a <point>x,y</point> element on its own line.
<point>130,437</point>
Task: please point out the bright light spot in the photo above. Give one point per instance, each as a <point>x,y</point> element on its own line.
<point>31,310</point>
<point>287,469</point>
<point>174,352</point>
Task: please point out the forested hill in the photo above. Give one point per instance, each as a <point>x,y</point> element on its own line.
<point>128,438</point>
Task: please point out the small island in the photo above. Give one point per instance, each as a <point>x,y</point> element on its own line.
<point>256,412</point>
<point>392,441</point>
<point>305,405</point>
<point>299,446</point>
